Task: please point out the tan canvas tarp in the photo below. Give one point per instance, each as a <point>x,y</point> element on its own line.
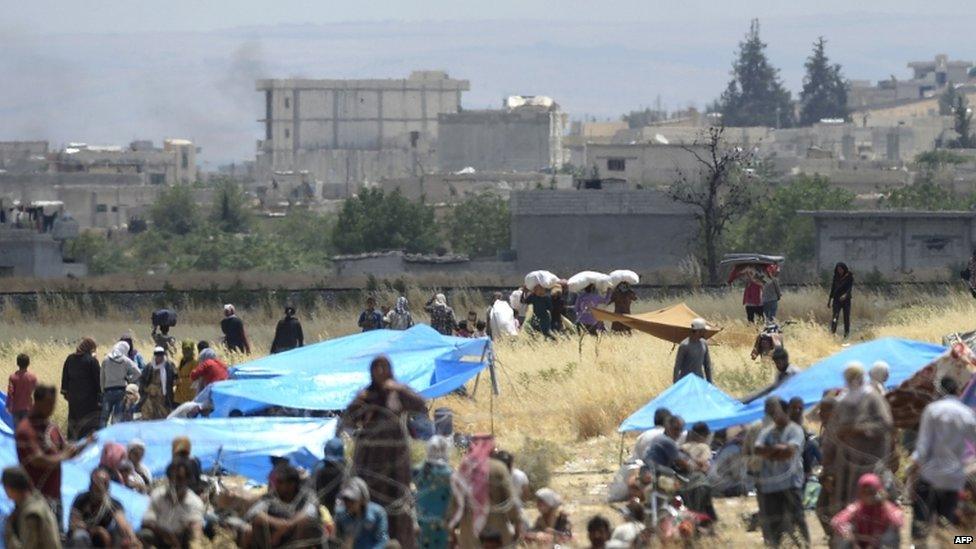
<point>670,323</point>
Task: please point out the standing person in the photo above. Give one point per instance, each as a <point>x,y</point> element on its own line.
<point>157,385</point>
<point>752,298</point>
<point>184,383</point>
<point>622,297</point>
<point>20,389</point>
<point>31,524</point>
<point>134,354</point>
<point>331,474</point>
<point>540,301</point>
<point>557,311</point>
<point>861,429</point>
<point>839,300</point>
<point>442,316</point>
<point>435,494</point>
<point>970,273</point>
<point>117,372</point>
<point>940,459</point>
<point>501,318</point>
<point>518,306</point>
<point>235,338</point>
<point>41,448</point>
<point>780,482</point>
<point>288,333</point>
<point>399,318</point>
<point>693,356</point>
<point>382,455</point>
<point>370,319</point>
<point>771,293</point>
<point>161,338</point>
<point>585,302</point>
<point>81,387</point>
<point>209,369</point>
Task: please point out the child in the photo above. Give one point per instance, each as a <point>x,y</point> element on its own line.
<point>462,330</point>
<point>480,328</point>
<point>20,389</point>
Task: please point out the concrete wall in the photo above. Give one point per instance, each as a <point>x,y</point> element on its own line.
<point>26,253</point>
<point>568,231</point>
<point>893,143</point>
<point>925,246</point>
<point>449,188</point>
<point>651,165</point>
<point>522,139</point>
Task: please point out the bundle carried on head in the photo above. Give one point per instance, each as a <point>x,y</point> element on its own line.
<point>623,275</point>
<point>579,281</point>
<point>541,278</point>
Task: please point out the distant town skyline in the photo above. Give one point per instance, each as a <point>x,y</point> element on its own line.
<point>116,71</point>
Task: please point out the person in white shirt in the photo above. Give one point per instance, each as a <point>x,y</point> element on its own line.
<point>938,469</point>
<point>645,439</point>
<point>175,514</point>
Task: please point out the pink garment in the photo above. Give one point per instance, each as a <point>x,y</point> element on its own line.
<point>867,522</point>
<point>752,296</point>
<point>474,471</point>
<point>112,456</point>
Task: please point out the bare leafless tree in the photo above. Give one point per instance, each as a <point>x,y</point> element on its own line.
<point>720,190</point>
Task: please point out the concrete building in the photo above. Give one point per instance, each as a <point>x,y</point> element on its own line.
<point>352,131</point>
<point>28,253</point>
<point>524,136</point>
<point>640,164</point>
<point>450,188</point>
<point>23,156</point>
<point>174,163</point>
<point>928,79</point>
<point>893,143</point>
<point>569,231</point>
<point>915,245</point>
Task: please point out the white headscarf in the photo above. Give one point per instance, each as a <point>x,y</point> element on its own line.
<point>549,497</point>
<point>119,351</point>
<point>440,299</point>
<point>879,372</point>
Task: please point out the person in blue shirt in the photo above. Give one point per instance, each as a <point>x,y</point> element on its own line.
<point>663,451</point>
<point>370,318</point>
<point>360,523</point>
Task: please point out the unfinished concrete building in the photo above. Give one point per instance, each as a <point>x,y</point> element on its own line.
<point>928,78</point>
<point>525,135</point>
<point>174,163</point>
<point>349,132</point>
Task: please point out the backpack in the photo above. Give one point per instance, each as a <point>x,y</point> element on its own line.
<point>164,317</point>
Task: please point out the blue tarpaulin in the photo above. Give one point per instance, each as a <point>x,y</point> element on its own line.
<point>327,375</point>
<point>244,444</point>
<point>904,357</point>
<point>693,398</point>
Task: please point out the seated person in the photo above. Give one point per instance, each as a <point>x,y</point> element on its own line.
<point>630,533</point>
<point>697,491</point>
<point>598,532</point>
<point>552,526</point>
<point>175,514</point>
<point>182,449</point>
<point>331,474</point>
<point>287,515</point>
<point>664,452</point>
<point>872,520</point>
<point>97,519</point>
<point>360,523</point>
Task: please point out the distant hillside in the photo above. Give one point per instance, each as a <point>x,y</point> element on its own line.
<point>117,87</point>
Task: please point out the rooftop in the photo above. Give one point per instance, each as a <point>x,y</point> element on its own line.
<point>896,214</point>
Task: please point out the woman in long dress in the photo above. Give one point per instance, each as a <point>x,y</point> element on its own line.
<point>382,453</point>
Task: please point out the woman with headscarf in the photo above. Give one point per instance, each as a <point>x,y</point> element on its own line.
<point>557,310</point>
<point>209,369</point>
<point>134,354</point>
<point>839,299</point>
<point>860,430</point>
<point>399,318</point>
<point>442,316</point>
<point>184,384</point>
<point>81,386</point>
<point>382,456</point>
<point>435,493</point>
<point>872,520</point>
<point>552,526</point>
<point>136,450</point>
<point>585,302</point>
<point>117,372</point>
<point>331,474</point>
<point>112,455</point>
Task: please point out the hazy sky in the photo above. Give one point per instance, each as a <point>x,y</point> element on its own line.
<point>110,71</point>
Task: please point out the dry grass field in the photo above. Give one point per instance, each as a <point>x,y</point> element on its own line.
<point>571,397</point>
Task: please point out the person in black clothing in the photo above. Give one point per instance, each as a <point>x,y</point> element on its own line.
<point>558,309</point>
<point>288,333</point>
<point>840,297</point>
<point>97,519</point>
<point>541,303</point>
<point>331,474</point>
<point>81,386</point>
<point>235,339</point>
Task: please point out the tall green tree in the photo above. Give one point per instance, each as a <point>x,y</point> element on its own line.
<point>376,220</point>
<point>755,96</point>
<point>824,92</point>
<point>772,226</point>
<point>963,124</point>
<point>947,100</point>
<point>479,226</point>
<point>175,211</point>
<point>231,212</point>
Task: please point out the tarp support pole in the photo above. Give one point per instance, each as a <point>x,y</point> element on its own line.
<point>620,459</point>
